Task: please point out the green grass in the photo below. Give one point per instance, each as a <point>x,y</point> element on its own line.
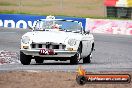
<point>7,4</point>
<point>55,7</point>
<point>27,13</point>
<point>94,17</point>
<point>88,9</point>
<point>37,5</point>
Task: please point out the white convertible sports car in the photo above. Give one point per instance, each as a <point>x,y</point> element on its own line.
<point>56,39</point>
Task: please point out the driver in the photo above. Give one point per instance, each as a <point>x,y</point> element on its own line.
<point>56,26</point>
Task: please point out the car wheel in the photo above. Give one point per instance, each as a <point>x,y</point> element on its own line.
<point>76,58</point>
<point>87,59</point>
<point>25,59</point>
<point>39,60</point>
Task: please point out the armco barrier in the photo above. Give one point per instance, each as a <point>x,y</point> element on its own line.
<point>109,26</point>
<point>94,25</point>
<point>22,21</point>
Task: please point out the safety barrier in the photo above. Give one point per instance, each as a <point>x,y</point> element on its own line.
<point>108,26</point>
<point>22,21</point>
<point>94,25</point>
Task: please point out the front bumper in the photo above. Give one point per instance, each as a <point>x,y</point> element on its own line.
<point>59,53</point>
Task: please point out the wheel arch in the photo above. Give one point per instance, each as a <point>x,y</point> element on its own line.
<point>93,44</point>
<point>80,46</point>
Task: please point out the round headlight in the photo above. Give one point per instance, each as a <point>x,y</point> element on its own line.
<point>25,39</point>
<point>72,42</point>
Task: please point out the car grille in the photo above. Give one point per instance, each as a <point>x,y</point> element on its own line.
<point>48,46</point>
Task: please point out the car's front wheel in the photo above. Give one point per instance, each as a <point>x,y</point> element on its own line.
<point>25,59</point>
<point>77,57</point>
<point>88,58</point>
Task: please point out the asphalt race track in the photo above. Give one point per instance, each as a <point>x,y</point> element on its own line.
<point>112,53</point>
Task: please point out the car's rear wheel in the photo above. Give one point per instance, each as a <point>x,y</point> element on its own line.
<point>25,59</point>
<point>39,60</point>
<point>76,58</point>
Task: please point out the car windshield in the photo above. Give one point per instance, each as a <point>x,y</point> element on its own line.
<point>57,24</point>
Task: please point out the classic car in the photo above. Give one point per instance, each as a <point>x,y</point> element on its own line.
<point>56,39</point>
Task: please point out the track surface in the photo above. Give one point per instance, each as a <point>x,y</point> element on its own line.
<point>113,53</point>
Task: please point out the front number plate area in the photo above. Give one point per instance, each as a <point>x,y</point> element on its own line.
<point>46,52</point>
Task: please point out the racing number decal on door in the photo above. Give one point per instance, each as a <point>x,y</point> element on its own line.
<point>46,52</point>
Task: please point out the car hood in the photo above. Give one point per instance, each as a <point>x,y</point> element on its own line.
<point>51,36</point>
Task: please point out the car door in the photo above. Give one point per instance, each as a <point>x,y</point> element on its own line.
<point>86,44</point>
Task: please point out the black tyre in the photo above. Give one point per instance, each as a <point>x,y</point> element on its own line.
<point>25,59</point>
<point>87,59</point>
<point>76,58</point>
<point>81,80</point>
<point>39,60</point>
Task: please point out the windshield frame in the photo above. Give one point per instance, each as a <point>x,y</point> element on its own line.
<point>79,24</point>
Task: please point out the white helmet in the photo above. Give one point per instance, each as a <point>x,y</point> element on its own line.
<point>50,17</point>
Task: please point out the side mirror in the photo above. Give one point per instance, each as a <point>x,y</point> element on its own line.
<point>87,32</point>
